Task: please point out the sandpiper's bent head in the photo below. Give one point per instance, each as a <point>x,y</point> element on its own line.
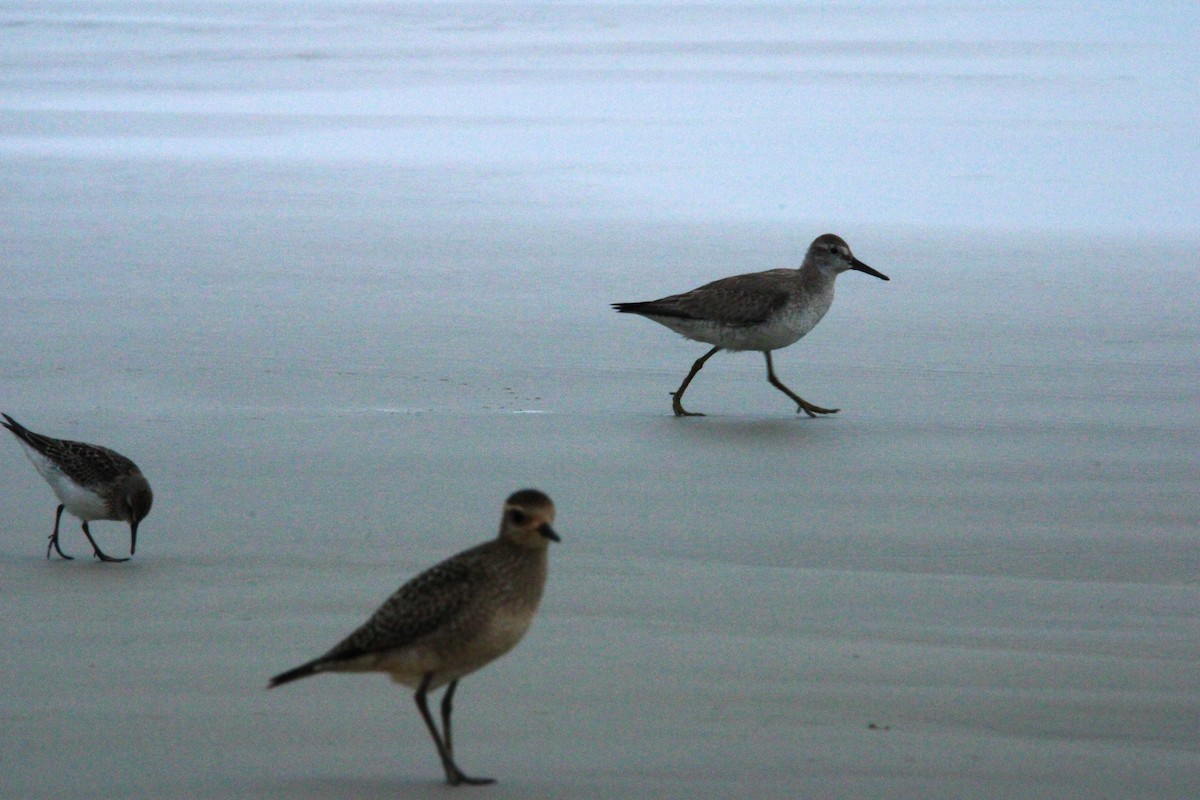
<point>133,500</point>
<point>528,516</point>
<point>829,252</point>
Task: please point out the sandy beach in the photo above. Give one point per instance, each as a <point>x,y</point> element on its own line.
<point>337,277</point>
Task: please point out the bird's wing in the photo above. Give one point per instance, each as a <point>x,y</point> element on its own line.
<point>738,300</point>
<point>86,464</point>
<point>420,606</point>
<point>89,464</point>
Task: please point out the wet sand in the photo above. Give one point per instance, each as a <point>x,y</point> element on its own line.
<point>977,580</point>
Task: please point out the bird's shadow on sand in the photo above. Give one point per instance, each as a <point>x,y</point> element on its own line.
<point>746,429</point>
<point>360,788</point>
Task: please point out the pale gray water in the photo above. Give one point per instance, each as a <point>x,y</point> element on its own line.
<point>337,277</point>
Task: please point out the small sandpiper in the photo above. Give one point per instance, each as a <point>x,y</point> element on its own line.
<point>761,311</point>
<point>91,482</point>
<point>453,618</point>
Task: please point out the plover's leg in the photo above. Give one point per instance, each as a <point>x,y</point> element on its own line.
<point>54,536</point>
<point>804,405</point>
<point>99,553</point>
<point>454,775</point>
<point>677,395</point>
<point>447,709</point>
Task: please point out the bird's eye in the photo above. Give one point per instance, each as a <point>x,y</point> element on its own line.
<point>517,517</point>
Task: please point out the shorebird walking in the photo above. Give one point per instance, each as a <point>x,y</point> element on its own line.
<point>90,481</point>
<point>759,311</point>
<point>453,618</point>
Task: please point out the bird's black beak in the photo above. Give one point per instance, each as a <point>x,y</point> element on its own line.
<point>132,537</point>
<point>548,533</point>
<point>861,267</point>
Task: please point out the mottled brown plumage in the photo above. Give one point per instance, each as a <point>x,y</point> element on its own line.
<point>90,481</point>
<point>454,617</point>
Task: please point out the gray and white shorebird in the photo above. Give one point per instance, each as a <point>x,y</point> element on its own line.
<point>453,618</point>
<point>761,311</point>
<point>90,481</point>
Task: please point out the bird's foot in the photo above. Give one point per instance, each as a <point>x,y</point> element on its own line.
<point>100,554</point>
<point>813,411</point>
<point>54,545</point>
<point>680,411</point>
<point>456,777</point>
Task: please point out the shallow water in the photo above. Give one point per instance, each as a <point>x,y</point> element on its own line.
<point>337,277</point>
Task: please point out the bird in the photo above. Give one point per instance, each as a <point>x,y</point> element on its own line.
<point>453,618</point>
<point>761,311</point>
<point>90,481</point>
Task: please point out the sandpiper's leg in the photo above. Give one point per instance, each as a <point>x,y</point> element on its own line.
<point>805,406</point>
<point>677,395</point>
<point>454,775</point>
<point>54,536</point>
<point>99,553</point>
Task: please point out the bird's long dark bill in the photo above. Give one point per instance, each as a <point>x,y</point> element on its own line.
<point>548,532</point>
<point>861,267</point>
<point>132,538</point>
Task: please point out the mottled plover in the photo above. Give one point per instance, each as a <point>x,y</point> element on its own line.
<point>453,618</point>
<point>91,482</point>
<point>761,311</point>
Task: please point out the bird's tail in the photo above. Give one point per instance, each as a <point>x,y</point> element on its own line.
<point>17,428</point>
<point>37,441</point>
<point>302,671</point>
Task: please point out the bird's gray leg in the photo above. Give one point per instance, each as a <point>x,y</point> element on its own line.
<point>447,709</point>
<point>454,775</point>
<point>804,405</point>
<point>677,395</point>
<point>423,707</point>
<point>54,536</point>
<point>99,553</point>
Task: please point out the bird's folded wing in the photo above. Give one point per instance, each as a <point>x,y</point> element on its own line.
<point>417,608</point>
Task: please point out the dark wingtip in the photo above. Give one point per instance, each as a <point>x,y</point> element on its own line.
<point>302,671</point>
<point>19,430</point>
<point>652,308</point>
